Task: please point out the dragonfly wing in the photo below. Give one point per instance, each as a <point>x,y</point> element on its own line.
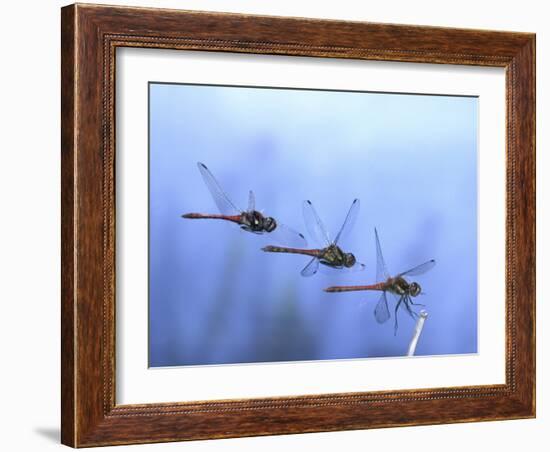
<point>331,271</point>
<point>311,268</point>
<point>419,269</point>
<point>349,222</point>
<point>225,205</point>
<point>381,270</point>
<point>251,201</point>
<point>381,311</point>
<point>283,235</point>
<point>315,227</point>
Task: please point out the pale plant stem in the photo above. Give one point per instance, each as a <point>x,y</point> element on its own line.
<point>417,332</point>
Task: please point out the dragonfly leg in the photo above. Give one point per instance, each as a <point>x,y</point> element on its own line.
<point>415,304</point>
<point>408,303</point>
<point>396,308</point>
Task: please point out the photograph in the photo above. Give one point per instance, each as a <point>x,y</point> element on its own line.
<point>285,223</point>
<point>290,224</point>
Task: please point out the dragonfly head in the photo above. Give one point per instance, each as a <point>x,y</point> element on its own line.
<point>414,289</point>
<point>349,260</point>
<point>269,224</point>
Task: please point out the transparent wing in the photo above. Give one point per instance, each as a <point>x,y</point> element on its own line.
<point>381,270</point>
<point>419,269</point>
<point>381,311</point>
<point>283,235</point>
<point>223,202</point>
<point>329,270</point>
<point>315,227</point>
<point>311,268</point>
<point>251,201</point>
<point>349,222</point>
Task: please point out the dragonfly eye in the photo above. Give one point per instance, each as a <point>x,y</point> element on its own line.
<point>414,289</point>
<point>349,260</point>
<point>269,224</point>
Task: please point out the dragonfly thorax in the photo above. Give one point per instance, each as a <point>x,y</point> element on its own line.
<point>254,221</point>
<point>400,286</point>
<point>333,256</point>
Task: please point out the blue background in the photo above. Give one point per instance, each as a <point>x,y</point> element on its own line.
<point>215,298</point>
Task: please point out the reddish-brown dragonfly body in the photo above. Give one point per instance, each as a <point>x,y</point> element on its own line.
<point>330,256</point>
<point>250,220</point>
<point>398,286</point>
<point>404,290</point>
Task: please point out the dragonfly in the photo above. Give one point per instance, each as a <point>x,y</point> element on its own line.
<point>397,285</point>
<point>250,220</point>
<point>329,255</point>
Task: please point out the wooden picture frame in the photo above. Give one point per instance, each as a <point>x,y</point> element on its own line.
<point>90,36</point>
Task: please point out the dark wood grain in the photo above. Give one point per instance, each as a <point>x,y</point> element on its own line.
<point>68,310</point>
<point>90,36</point>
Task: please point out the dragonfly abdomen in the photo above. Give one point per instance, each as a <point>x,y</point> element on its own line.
<point>282,249</point>
<point>204,216</point>
<point>379,286</point>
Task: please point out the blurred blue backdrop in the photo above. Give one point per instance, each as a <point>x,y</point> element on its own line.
<point>216,298</point>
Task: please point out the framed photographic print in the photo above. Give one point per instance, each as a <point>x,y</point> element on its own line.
<point>281,225</point>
